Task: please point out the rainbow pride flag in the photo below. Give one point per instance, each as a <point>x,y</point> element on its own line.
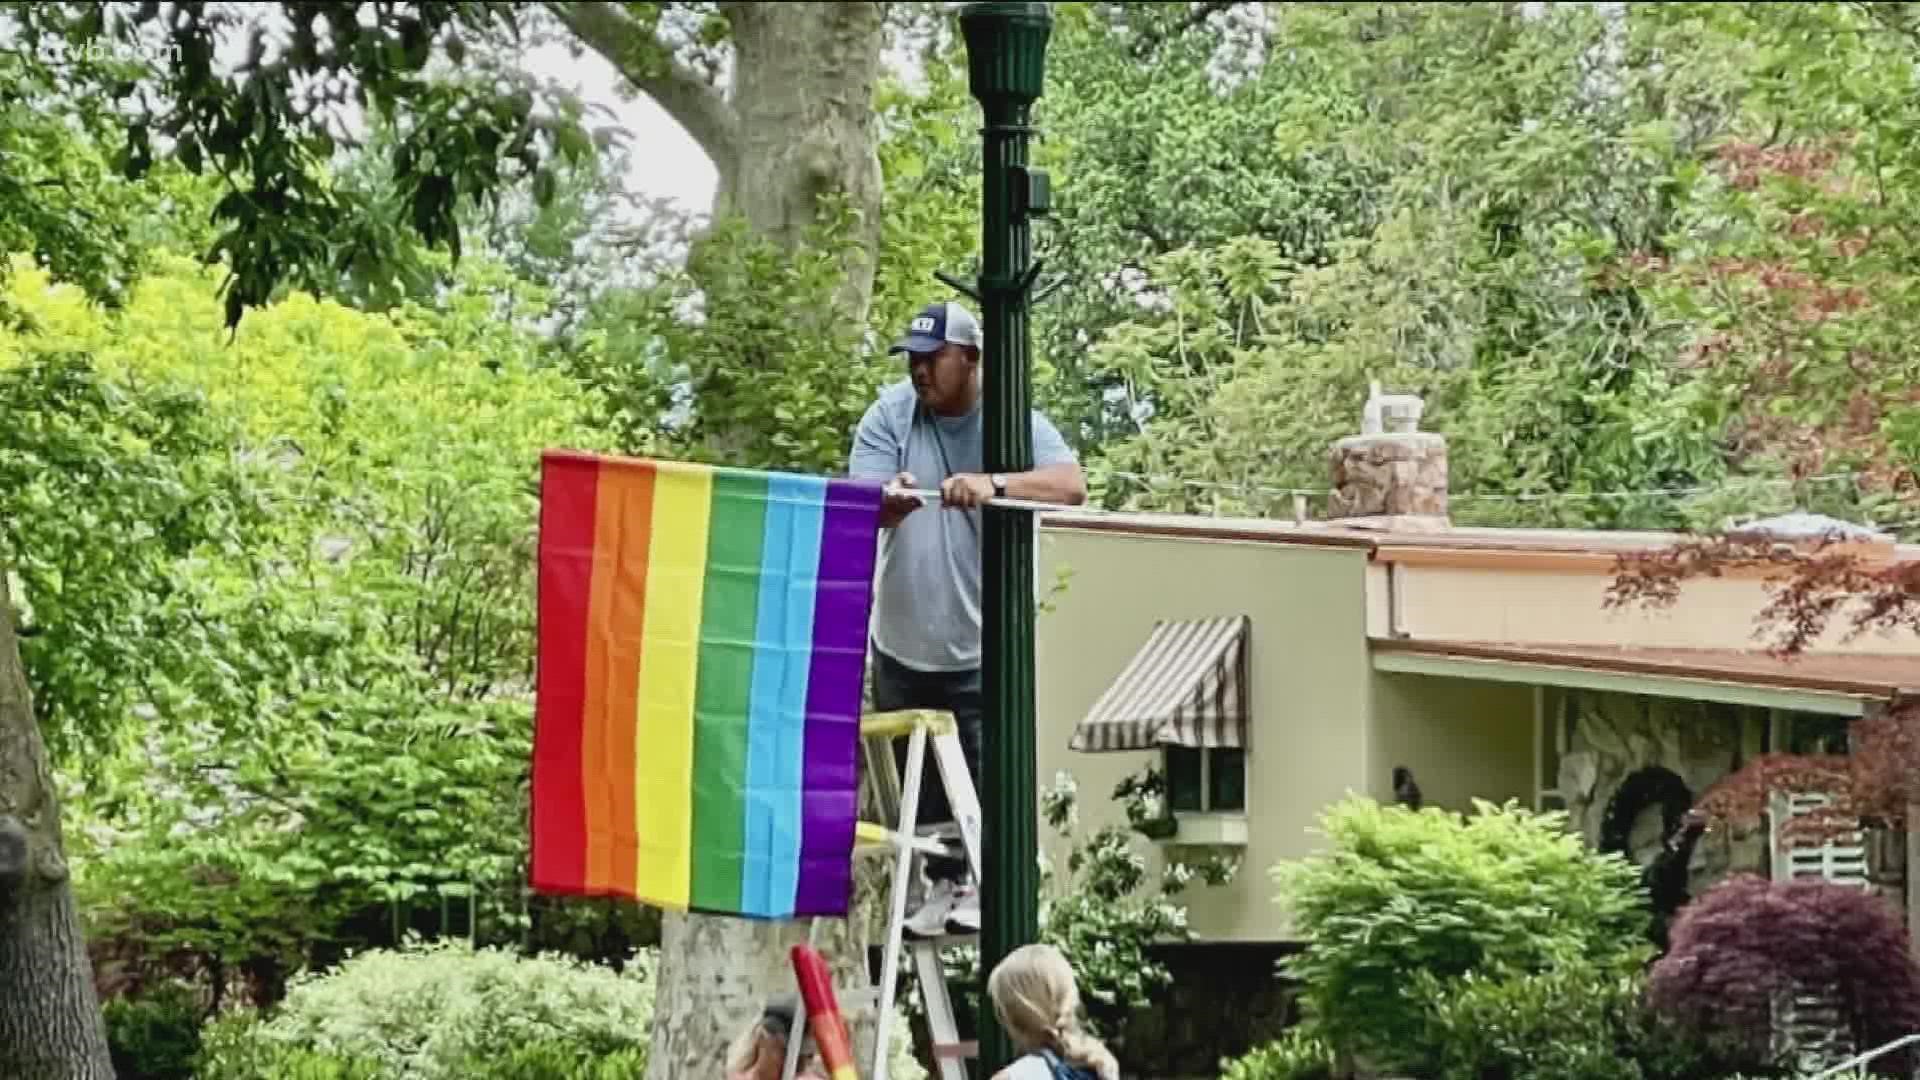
<point>702,650</point>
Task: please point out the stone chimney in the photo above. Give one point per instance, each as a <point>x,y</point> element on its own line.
<point>1392,474</point>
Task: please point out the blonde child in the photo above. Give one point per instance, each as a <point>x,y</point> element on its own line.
<point>1038,1002</point>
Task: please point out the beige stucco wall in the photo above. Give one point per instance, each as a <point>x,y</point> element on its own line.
<point>1309,669</point>
<point>1565,607</point>
<point>1462,738</point>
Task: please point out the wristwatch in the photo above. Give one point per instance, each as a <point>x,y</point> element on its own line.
<point>999,484</point>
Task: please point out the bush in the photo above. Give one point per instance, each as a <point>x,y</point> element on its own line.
<point>1105,912</point>
<point>555,1060</point>
<point>1571,1023</point>
<point>231,1049</point>
<point>1664,1050</point>
<point>1404,905</point>
<point>154,1036</point>
<point>1566,1024</point>
<point>448,1011</point>
<point>1297,1055</point>
<point>1748,941</point>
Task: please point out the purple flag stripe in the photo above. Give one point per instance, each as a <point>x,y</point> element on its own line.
<point>842,605</point>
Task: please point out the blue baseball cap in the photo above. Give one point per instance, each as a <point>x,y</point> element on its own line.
<point>944,323</point>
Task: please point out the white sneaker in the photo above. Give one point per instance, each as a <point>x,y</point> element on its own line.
<point>965,916</point>
<point>931,918</point>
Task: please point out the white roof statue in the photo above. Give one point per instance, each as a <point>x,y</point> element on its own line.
<point>1397,414</point>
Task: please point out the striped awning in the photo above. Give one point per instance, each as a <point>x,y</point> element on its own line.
<point>1186,686</point>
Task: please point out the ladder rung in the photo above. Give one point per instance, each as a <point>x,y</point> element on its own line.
<point>968,1048</point>
<point>940,942</point>
<point>902,722</point>
<point>871,835</point>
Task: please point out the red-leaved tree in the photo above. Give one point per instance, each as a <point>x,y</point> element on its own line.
<point>1812,585</point>
<point>1746,942</point>
<point>1812,588</point>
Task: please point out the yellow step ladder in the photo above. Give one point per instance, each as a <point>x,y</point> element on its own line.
<point>907,842</point>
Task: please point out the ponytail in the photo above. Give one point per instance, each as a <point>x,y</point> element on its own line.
<point>1082,1049</point>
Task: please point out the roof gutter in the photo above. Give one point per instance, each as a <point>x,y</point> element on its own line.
<point>1842,697</point>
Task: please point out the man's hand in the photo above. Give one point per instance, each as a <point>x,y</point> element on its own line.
<point>896,505</point>
<point>966,490</point>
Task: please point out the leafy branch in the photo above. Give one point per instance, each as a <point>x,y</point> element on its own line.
<point>628,42</point>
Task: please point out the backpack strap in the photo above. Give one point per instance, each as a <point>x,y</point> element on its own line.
<point>1061,1069</point>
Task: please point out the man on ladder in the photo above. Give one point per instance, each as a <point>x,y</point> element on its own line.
<point>926,633</point>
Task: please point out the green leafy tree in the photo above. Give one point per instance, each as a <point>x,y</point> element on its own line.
<point>107,486</point>
<point>560,243</point>
<point>110,486</point>
<point>1143,173</point>
<point>323,544</point>
<point>76,206</point>
<point>1504,159</point>
<point>1790,267</point>
<point>270,125</point>
<point>62,200</point>
<point>64,207</point>
<point>1795,279</point>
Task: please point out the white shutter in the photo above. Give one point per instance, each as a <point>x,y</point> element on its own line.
<point>1807,1021</point>
<point>1841,859</point>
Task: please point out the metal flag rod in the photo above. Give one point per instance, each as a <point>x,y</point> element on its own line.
<point>1000,501</point>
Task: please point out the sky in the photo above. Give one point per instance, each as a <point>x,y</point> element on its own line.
<point>668,164</point>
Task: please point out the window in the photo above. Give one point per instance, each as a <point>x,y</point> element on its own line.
<point>1206,781</point>
<point>1812,733</point>
<point>1185,696</point>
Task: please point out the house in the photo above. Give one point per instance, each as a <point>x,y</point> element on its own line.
<point>1269,668</point>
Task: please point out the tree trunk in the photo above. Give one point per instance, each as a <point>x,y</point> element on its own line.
<point>716,974</point>
<point>803,99</point>
<point>50,1024</point>
<point>796,126</point>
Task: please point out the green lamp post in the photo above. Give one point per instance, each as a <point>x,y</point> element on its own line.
<point>1006,66</point>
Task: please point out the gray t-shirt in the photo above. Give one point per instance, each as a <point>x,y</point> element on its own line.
<point>927,598</point>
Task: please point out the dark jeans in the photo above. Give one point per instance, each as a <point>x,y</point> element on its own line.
<point>896,686</point>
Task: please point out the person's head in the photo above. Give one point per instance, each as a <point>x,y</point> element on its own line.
<point>942,344</point>
<point>1037,1001</point>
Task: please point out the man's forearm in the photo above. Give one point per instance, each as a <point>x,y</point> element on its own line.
<point>1065,484</point>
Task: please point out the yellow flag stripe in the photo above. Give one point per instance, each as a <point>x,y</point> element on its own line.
<point>669,654</point>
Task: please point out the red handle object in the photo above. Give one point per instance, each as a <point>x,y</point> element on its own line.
<point>823,1013</point>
